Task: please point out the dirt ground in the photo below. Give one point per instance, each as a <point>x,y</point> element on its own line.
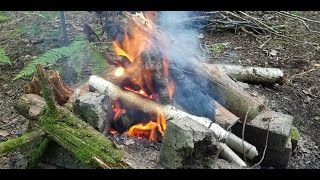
<point>298,96</point>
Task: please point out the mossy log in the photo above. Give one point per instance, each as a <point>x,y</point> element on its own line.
<point>83,141</point>
<point>13,144</point>
<point>32,144</point>
<point>86,144</point>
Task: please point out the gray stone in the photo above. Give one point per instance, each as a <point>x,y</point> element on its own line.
<point>275,158</point>
<point>59,156</point>
<point>256,130</point>
<point>188,144</point>
<point>95,109</point>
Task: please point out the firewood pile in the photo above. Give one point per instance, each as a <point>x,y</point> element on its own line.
<point>159,89</point>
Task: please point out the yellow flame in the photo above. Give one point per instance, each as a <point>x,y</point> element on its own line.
<point>119,71</point>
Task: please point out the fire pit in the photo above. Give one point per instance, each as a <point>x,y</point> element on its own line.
<point>158,89</point>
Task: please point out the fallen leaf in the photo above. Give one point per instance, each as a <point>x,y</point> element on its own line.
<point>4,133</point>
<point>273,52</point>
<point>128,142</point>
<point>306,92</point>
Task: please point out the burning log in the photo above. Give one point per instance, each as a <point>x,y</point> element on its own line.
<point>236,100</point>
<point>169,112</point>
<point>221,87</point>
<point>254,75</point>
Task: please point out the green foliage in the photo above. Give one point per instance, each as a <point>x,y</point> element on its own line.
<point>217,48</point>
<point>33,30</point>
<point>294,134</point>
<point>297,13</point>
<point>78,54</point>
<point>4,58</point>
<point>3,17</point>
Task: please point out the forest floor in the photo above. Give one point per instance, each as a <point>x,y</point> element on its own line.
<point>27,34</point>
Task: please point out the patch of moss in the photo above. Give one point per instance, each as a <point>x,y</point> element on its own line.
<point>13,144</point>
<point>4,18</point>
<point>294,134</point>
<point>83,141</point>
<point>35,155</point>
<point>297,13</point>
<point>217,48</point>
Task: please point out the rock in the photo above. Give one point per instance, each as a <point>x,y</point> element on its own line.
<point>5,86</point>
<point>317,118</point>
<point>95,109</point>
<point>188,144</point>
<point>256,130</point>
<point>9,92</point>
<point>4,133</point>
<point>275,158</point>
<point>58,156</point>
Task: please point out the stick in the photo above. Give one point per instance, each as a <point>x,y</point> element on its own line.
<point>131,99</point>
<point>230,156</point>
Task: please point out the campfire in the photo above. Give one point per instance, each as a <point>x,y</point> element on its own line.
<point>157,82</point>
<point>142,82</point>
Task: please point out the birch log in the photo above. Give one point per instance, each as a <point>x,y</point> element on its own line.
<point>131,99</point>
<point>254,75</point>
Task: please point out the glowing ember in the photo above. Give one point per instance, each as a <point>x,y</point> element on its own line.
<point>113,132</point>
<point>119,71</point>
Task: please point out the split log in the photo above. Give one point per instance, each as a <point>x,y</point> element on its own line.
<point>236,99</point>
<point>131,99</point>
<point>254,75</point>
<point>61,90</point>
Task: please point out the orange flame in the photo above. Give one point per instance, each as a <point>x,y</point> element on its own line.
<point>149,130</point>
<point>134,42</point>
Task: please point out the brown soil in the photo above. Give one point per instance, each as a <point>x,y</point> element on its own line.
<point>298,96</point>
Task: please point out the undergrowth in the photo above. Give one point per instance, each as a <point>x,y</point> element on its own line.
<point>4,58</point>
<point>77,54</point>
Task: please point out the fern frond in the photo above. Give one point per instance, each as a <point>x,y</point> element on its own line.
<point>52,56</point>
<point>4,58</point>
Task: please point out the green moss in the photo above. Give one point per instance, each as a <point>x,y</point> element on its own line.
<point>35,155</point>
<point>13,144</point>
<point>3,18</point>
<point>294,134</point>
<point>217,48</point>
<point>80,139</point>
<point>297,13</point>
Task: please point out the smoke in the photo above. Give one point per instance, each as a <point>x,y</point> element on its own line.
<point>193,92</point>
<point>186,41</point>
